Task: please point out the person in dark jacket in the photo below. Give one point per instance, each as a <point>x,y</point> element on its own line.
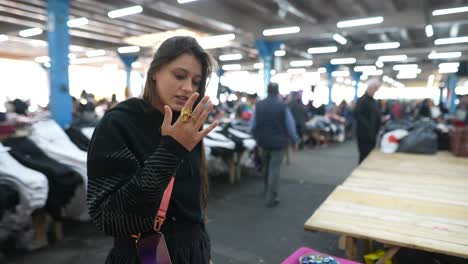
<point>138,146</point>
<point>368,119</point>
<point>299,113</point>
<point>273,127</point>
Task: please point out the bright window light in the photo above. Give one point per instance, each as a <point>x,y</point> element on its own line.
<point>280,53</point>
<point>42,59</point>
<point>136,64</point>
<point>446,41</point>
<point>185,1</point>
<point>301,63</point>
<point>341,61</point>
<point>320,50</point>
<point>3,37</point>
<point>75,48</point>
<point>381,46</point>
<point>444,55</point>
<point>360,22</point>
<point>272,72</point>
<point>430,81</point>
<point>30,32</point>
<point>78,22</point>
<point>125,11</point>
<point>392,58</point>
<point>281,31</point>
<point>231,67</point>
<point>229,57</point>
<point>403,76</point>
<point>400,67</point>
<point>296,71</point>
<point>38,43</point>
<point>340,73</point>
<point>128,49</point>
<point>258,65</point>
<point>95,53</point>
<point>429,31</point>
<point>364,77</point>
<point>322,70</point>
<point>363,68</point>
<point>340,39</point>
<point>379,64</point>
<point>71,56</point>
<point>449,11</point>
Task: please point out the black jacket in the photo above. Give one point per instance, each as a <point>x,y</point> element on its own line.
<point>368,119</point>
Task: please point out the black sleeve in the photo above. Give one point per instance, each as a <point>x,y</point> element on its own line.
<point>123,195</point>
<point>361,113</point>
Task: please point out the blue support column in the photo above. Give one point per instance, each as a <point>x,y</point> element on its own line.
<point>451,86</point>
<point>267,50</point>
<point>330,69</point>
<point>127,60</point>
<point>59,40</point>
<point>219,73</point>
<point>356,78</point>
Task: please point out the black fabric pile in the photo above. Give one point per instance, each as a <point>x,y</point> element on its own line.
<point>63,180</point>
<point>78,138</point>
<point>9,197</point>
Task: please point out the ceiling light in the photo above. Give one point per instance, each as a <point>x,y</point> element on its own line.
<point>379,64</point>
<point>281,31</point>
<point>319,50</point>
<point>42,59</point>
<point>76,48</point>
<point>374,73</point>
<point>406,76</point>
<point>298,70</point>
<point>340,73</point>
<point>229,57</point>
<point>400,67</point>
<point>77,22</point>
<point>3,37</point>
<point>125,11</point>
<point>445,41</point>
<point>128,49</point>
<point>444,55</point>
<point>341,61</point>
<point>272,72</point>
<point>280,53</point>
<point>340,39</point>
<point>30,32</point>
<point>258,65</point>
<point>360,22</point>
<point>449,65</point>
<point>448,70</point>
<point>95,53</point>
<point>449,11</point>
<point>185,1</point>
<point>429,31</point>
<point>322,70</point>
<point>231,67</point>
<point>381,46</point>
<point>430,81</point>
<point>219,38</point>
<point>47,64</point>
<point>393,58</point>
<point>301,63</point>
<point>364,68</point>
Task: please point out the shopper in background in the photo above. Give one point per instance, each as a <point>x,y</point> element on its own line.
<point>141,143</point>
<point>273,127</point>
<point>368,119</point>
<point>299,113</point>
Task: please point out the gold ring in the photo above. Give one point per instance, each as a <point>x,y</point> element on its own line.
<point>186,114</point>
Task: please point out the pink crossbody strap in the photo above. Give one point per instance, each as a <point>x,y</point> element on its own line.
<point>161,216</point>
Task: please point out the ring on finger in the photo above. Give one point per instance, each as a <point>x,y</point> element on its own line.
<point>186,114</point>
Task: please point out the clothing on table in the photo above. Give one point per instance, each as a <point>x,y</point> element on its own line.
<point>63,181</point>
<point>78,138</point>
<point>368,121</point>
<point>9,197</point>
<point>130,165</point>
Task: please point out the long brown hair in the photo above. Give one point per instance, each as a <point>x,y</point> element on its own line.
<point>170,50</point>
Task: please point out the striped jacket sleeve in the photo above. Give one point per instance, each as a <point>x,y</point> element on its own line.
<point>123,195</point>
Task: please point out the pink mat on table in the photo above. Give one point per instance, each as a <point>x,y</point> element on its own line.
<point>294,258</point>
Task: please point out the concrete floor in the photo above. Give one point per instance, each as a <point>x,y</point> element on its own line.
<point>242,229</point>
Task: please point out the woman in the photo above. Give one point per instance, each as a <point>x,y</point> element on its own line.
<point>140,144</point>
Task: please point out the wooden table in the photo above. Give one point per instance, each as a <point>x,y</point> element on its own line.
<point>401,200</point>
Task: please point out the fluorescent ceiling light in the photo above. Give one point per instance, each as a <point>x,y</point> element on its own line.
<point>379,64</point>
<point>75,48</point>
<point>42,59</point>
<point>3,37</point>
<point>393,58</point>
<point>322,70</point>
<point>449,11</point>
<point>340,39</point>
<point>258,65</point>
<point>429,31</point>
<point>448,70</point>
<point>281,31</point>
<point>229,57</point>
<point>360,22</point>
<point>128,49</point>
<point>340,73</point>
<point>136,64</point>
<point>445,41</point>
<point>363,68</point>
<point>185,1</point>
<point>125,11</point>
<point>47,64</point>
<point>430,81</point>
<point>231,67</point>
<point>341,61</point>
<point>444,55</point>
<point>406,76</point>
<point>280,53</point>
<point>364,77</point>
<point>301,63</point>
<point>320,50</point>
<point>400,67</point>
<point>219,38</point>
<point>272,72</point>
<point>38,43</point>
<point>71,56</point>
<point>30,32</point>
<point>95,53</point>
<point>298,70</point>
<point>381,46</point>
<point>79,22</point>
<point>449,65</point>
<point>374,73</point>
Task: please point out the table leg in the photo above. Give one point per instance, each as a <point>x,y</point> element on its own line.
<point>351,249</point>
<point>388,255</point>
